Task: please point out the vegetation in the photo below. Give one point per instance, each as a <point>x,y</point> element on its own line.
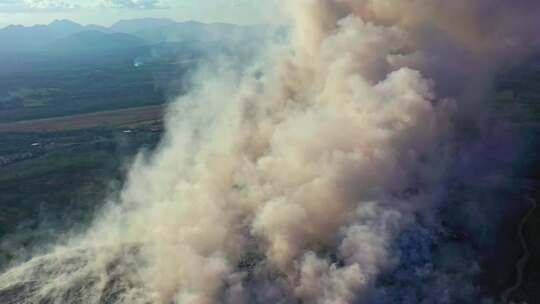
<point>519,93</point>
<point>83,89</point>
<point>63,184</point>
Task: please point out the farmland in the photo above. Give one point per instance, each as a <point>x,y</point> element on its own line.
<point>117,118</point>
<point>53,182</point>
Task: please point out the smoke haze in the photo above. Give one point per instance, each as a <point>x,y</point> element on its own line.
<point>314,176</point>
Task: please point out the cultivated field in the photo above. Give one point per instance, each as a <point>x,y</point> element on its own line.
<point>124,117</point>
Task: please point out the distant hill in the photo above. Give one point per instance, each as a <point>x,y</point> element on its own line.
<point>64,43</point>
<point>21,38</point>
<point>64,27</point>
<point>94,41</point>
<point>136,25</point>
<point>192,30</point>
<point>17,39</point>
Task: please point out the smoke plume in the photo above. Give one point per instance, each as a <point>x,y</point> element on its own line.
<point>315,176</point>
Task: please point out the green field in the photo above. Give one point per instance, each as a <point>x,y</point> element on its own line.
<point>65,181</point>
<point>83,89</point>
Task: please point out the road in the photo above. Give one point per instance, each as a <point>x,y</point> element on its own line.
<point>522,262</point>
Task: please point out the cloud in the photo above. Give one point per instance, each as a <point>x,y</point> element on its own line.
<point>25,5</point>
<point>133,4</point>
<point>50,4</point>
<point>31,5</point>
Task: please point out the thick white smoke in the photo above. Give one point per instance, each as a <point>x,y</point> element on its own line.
<point>297,181</point>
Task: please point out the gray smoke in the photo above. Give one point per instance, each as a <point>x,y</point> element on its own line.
<point>314,177</point>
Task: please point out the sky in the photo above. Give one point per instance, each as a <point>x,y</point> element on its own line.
<point>106,12</point>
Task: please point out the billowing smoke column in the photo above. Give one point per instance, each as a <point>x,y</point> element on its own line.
<point>315,177</point>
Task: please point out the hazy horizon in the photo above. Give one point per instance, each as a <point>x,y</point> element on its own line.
<point>108,12</point>
<point>4,25</point>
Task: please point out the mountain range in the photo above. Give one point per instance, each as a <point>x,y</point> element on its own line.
<point>16,38</point>
<point>69,36</point>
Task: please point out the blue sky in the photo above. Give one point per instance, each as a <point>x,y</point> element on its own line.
<point>106,12</point>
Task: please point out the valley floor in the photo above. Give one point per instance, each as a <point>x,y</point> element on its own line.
<point>124,117</point>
